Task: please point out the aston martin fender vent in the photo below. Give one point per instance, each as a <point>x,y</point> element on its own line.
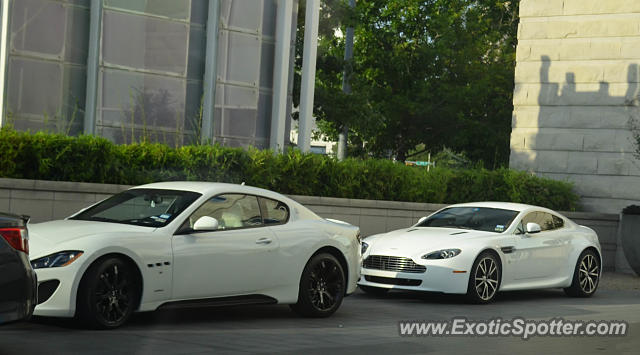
<point>393,263</point>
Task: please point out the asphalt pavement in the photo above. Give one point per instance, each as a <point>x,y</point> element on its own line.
<point>364,324</point>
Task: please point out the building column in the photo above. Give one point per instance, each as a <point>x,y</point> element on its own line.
<point>308,74</point>
<point>280,74</point>
<point>4,50</point>
<point>210,73</point>
<point>93,67</point>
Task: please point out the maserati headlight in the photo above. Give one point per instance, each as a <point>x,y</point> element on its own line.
<point>363,247</point>
<point>62,258</point>
<point>442,254</point>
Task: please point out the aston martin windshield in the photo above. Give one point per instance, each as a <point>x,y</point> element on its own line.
<point>142,207</point>
<point>476,218</point>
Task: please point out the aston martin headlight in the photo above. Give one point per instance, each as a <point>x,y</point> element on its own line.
<point>442,254</point>
<point>62,258</point>
<point>363,247</point>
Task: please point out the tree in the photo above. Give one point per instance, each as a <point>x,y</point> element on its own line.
<point>432,72</point>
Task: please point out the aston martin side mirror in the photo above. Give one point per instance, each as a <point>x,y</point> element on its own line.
<point>206,223</point>
<point>533,228</point>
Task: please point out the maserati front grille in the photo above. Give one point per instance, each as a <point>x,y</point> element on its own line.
<point>393,263</point>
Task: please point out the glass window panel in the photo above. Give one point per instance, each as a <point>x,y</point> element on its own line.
<point>77,42</point>
<point>245,14</point>
<point>543,219</point>
<point>197,52</point>
<point>124,135</point>
<point>199,11</point>
<point>269,18</point>
<point>193,121</point>
<point>222,55</point>
<point>34,87</point>
<point>178,9</point>
<point>73,95</point>
<point>240,123</point>
<point>263,126</point>
<point>266,65</point>
<point>232,211</point>
<point>86,3</point>
<point>273,212</point>
<point>243,58</point>
<point>147,100</point>
<point>240,96</point>
<point>143,42</point>
<point>38,26</point>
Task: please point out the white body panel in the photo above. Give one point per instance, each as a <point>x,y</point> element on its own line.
<point>177,267</point>
<point>543,260</point>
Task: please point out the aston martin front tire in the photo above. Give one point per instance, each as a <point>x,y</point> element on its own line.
<point>586,275</point>
<point>322,287</point>
<point>484,279</point>
<point>375,291</point>
<point>108,294</point>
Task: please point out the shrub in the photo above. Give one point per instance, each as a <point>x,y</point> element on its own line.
<point>93,159</point>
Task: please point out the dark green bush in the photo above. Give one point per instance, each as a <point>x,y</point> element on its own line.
<point>93,159</point>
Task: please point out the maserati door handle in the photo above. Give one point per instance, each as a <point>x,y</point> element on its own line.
<point>264,241</point>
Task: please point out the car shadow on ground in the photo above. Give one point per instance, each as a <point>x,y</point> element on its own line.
<point>354,307</point>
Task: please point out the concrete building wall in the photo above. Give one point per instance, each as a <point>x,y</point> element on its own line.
<point>49,200</point>
<point>576,97</point>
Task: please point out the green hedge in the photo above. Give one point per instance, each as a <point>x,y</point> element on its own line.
<point>93,159</point>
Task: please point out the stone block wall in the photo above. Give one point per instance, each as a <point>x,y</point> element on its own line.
<point>576,97</point>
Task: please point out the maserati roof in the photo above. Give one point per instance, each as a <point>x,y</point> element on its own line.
<point>501,205</point>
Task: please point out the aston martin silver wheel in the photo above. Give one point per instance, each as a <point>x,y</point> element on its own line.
<point>586,275</point>
<point>484,280</point>
<point>589,274</point>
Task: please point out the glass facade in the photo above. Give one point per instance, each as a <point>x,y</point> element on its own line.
<point>150,69</point>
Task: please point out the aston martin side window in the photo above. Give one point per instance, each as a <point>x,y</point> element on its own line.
<point>232,211</point>
<point>557,222</point>
<point>547,221</point>
<point>273,212</point>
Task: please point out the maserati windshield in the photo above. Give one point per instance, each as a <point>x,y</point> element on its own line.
<point>476,218</point>
<point>142,207</point>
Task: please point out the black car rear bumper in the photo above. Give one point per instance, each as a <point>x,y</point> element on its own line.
<point>18,286</point>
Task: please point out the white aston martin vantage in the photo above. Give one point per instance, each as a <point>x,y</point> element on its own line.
<point>479,249</point>
<point>178,244</point>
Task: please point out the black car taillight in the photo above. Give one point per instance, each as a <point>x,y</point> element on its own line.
<point>18,238</point>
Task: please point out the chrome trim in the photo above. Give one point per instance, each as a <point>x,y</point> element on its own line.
<point>393,263</point>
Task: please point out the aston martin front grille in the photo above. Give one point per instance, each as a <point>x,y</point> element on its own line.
<point>393,263</point>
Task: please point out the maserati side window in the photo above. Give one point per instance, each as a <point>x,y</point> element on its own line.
<point>232,211</point>
<point>273,212</point>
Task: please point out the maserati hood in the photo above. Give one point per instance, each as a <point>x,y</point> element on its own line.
<point>45,236</point>
<point>406,242</point>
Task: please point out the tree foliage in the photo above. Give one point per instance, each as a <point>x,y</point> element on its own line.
<point>432,72</point>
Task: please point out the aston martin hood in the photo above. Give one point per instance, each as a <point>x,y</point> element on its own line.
<point>44,236</point>
<point>418,239</point>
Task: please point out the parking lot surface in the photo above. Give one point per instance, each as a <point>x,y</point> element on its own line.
<point>365,324</point>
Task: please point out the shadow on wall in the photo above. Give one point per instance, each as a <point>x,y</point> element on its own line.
<point>585,137</point>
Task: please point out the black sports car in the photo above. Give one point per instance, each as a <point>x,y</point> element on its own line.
<point>18,284</point>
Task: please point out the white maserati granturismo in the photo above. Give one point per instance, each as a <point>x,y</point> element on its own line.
<point>479,249</point>
<point>185,244</point>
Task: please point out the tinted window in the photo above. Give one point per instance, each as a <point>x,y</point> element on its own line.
<point>557,222</point>
<point>232,211</point>
<point>273,212</point>
<point>144,207</point>
<point>547,221</point>
<point>478,218</point>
